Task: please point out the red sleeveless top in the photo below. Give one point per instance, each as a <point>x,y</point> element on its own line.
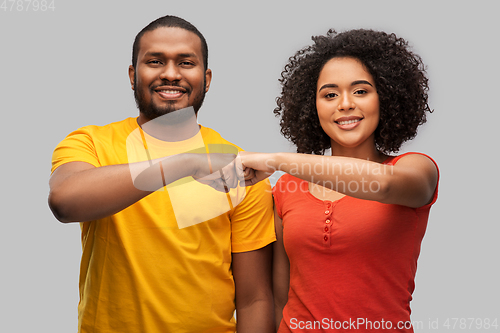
<point>352,261</point>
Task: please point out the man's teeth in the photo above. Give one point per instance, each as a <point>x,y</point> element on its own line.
<point>170,91</point>
<point>347,122</point>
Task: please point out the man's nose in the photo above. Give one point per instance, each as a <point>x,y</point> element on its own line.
<point>170,72</point>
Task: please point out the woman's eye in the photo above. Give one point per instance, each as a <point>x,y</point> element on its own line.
<point>331,95</point>
<point>360,92</point>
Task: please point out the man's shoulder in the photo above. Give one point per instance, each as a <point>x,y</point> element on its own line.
<point>126,125</point>
<point>92,142</point>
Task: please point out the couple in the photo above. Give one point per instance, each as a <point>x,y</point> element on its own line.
<point>342,247</point>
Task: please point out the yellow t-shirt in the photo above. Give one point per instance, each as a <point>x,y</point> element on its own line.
<point>157,266</point>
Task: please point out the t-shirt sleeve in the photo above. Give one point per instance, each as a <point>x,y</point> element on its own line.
<point>76,147</point>
<point>252,221</point>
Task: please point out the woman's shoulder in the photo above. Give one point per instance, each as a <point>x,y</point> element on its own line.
<point>415,156</point>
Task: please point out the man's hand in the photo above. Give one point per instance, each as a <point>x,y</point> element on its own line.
<point>219,171</point>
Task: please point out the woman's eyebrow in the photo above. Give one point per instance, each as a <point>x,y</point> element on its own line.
<point>333,85</point>
<point>361,82</point>
<point>328,85</point>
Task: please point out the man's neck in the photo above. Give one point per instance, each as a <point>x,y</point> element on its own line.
<point>178,125</point>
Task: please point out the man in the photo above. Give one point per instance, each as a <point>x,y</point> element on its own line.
<point>153,260</point>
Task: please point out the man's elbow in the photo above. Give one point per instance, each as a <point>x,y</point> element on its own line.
<point>59,208</point>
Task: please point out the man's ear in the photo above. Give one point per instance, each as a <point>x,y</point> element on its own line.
<point>131,75</point>
<point>208,79</point>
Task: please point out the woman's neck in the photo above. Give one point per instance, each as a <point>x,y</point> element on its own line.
<point>366,151</point>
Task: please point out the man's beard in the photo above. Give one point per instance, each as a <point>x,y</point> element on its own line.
<point>151,111</point>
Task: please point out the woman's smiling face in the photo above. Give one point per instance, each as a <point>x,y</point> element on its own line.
<point>347,103</point>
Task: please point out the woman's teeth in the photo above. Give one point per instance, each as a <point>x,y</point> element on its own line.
<point>347,122</point>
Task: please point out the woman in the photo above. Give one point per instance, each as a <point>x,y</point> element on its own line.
<point>349,226</point>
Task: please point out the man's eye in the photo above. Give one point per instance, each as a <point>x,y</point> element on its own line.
<point>154,62</point>
<point>187,63</point>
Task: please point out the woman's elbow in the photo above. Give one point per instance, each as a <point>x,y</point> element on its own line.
<point>381,190</point>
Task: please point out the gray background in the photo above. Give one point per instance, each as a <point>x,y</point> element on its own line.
<point>67,68</point>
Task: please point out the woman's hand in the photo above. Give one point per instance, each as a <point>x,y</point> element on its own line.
<point>256,166</point>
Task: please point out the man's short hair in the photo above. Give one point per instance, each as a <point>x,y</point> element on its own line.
<point>170,21</point>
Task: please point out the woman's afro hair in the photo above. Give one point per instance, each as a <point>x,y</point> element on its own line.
<point>399,77</point>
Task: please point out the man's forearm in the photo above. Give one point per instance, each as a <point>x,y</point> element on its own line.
<point>256,318</point>
<point>89,193</point>
<point>254,295</point>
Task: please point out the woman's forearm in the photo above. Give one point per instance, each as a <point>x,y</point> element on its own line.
<point>411,182</point>
<point>354,177</point>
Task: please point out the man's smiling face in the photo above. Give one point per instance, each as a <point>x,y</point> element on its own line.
<point>169,74</point>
